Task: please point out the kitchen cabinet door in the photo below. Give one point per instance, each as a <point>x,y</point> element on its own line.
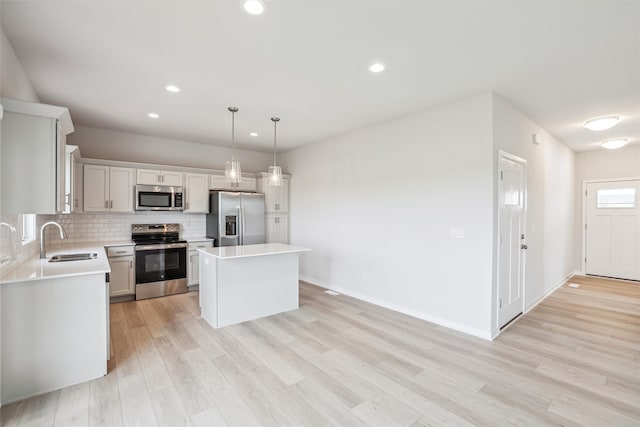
<point>194,268</point>
<point>96,188</point>
<point>158,177</point>
<point>217,182</point>
<point>197,193</point>
<point>121,185</point>
<point>32,157</point>
<point>247,184</point>
<point>108,188</point>
<point>173,179</point>
<point>122,277</point>
<point>193,274</point>
<point>277,229</point>
<point>148,177</point>
<point>78,187</point>
<point>276,198</point>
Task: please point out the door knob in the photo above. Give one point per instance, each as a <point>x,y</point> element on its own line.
<point>523,246</point>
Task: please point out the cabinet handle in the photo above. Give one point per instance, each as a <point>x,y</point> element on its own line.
<point>111,205</point>
<point>106,204</point>
<point>162,178</point>
<point>121,252</point>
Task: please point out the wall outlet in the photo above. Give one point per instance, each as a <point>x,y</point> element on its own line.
<point>456,232</point>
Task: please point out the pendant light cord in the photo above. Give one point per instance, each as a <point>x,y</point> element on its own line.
<point>275,121</point>
<point>233,110</point>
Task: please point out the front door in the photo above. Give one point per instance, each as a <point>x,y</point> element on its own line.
<point>612,229</point>
<point>511,239</point>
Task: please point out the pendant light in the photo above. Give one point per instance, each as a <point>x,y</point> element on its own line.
<point>232,172</point>
<point>275,172</point>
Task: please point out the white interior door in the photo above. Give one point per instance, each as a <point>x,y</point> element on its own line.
<point>511,240</point>
<point>612,229</point>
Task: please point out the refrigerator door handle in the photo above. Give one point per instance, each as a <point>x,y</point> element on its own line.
<point>241,224</point>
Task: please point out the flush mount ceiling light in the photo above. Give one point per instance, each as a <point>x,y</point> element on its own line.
<point>275,172</point>
<point>153,116</point>
<point>601,123</point>
<point>172,88</point>
<point>232,172</point>
<point>612,144</point>
<point>253,134</point>
<point>376,68</point>
<point>254,7</point>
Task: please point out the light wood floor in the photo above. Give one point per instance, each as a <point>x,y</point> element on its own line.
<point>574,360</point>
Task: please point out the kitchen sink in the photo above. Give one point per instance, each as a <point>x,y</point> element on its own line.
<point>74,257</point>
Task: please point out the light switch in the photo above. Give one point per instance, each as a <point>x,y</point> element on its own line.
<point>456,232</point>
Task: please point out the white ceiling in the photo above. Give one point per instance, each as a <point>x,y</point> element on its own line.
<point>560,62</point>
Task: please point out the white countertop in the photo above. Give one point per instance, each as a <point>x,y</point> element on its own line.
<point>265,249</point>
<point>41,269</point>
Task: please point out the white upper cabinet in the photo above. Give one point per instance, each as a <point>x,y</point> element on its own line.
<point>33,157</point>
<point>276,198</point>
<point>108,188</point>
<point>218,182</point>
<point>72,189</point>
<point>197,193</point>
<point>158,177</point>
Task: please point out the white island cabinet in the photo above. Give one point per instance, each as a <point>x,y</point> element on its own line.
<point>241,283</point>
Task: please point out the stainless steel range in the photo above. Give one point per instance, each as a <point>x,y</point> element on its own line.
<point>161,260</point>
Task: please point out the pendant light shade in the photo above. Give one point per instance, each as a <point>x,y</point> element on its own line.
<point>232,171</point>
<point>275,172</point>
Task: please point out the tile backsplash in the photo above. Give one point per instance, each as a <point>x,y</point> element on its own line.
<point>86,228</point>
<point>105,227</point>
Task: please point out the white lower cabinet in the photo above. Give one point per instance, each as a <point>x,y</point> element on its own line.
<point>193,273</point>
<point>277,229</point>
<point>122,277</point>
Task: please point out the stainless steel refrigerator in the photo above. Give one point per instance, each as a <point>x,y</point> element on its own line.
<point>236,218</point>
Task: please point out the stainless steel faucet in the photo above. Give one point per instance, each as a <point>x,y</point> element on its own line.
<point>63,235</point>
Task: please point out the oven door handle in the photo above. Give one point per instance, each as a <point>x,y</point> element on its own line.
<point>162,246</point>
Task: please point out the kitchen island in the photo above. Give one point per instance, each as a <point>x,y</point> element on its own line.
<point>241,283</point>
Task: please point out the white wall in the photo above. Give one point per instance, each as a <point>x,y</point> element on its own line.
<point>112,145</point>
<point>376,207</point>
<point>600,164</point>
<point>550,190</point>
<point>14,83</point>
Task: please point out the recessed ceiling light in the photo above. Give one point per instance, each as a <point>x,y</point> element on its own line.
<point>376,68</point>
<point>612,144</point>
<point>254,134</point>
<point>601,123</point>
<point>172,88</point>
<point>153,116</point>
<point>254,7</point>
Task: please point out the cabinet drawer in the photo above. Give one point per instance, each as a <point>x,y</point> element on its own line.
<point>200,245</point>
<point>120,251</point>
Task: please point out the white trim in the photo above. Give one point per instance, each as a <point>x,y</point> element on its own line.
<point>409,312</point>
<point>496,308</point>
<point>548,292</point>
<point>583,230</point>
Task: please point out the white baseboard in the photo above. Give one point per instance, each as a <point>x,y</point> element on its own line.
<point>409,312</point>
<point>548,292</point>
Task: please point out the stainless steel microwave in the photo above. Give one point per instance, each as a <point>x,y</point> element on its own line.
<point>159,198</point>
